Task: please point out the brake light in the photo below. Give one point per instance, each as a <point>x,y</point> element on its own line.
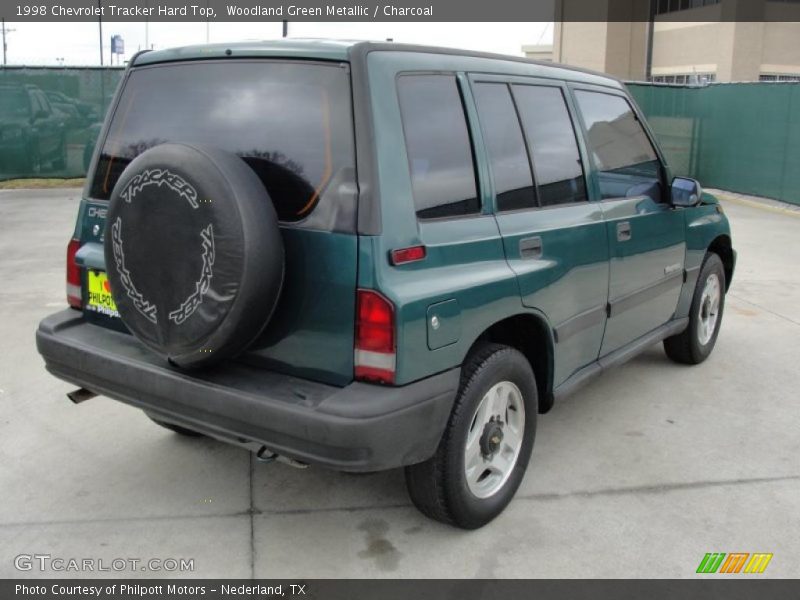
<point>374,351</point>
<point>73,275</point>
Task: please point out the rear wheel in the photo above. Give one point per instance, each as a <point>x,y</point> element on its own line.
<point>175,428</point>
<point>487,443</point>
<point>695,343</point>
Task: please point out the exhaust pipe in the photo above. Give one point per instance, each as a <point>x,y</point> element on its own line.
<point>266,455</point>
<point>81,395</point>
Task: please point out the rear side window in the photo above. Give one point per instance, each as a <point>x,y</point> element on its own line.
<point>624,158</point>
<point>511,170</point>
<point>438,146</point>
<point>552,144</point>
<point>291,122</point>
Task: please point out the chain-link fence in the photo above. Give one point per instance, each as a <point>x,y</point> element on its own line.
<point>743,137</point>
<point>50,118</point>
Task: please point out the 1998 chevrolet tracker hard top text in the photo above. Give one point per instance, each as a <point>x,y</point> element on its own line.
<point>368,256</point>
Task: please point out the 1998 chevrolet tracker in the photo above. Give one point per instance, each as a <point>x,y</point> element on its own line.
<point>366,256</point>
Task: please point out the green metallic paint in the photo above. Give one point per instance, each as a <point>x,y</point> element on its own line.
<point>473,276</point>
<point>311,333</point>
<point>704,223</point>
<point>475,262</point>
<point>444,324</point>
<point>653,255</point>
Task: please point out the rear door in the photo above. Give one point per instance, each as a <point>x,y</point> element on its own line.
<point>646,236</point>
<point>554,237</point>
<point>292,123</point>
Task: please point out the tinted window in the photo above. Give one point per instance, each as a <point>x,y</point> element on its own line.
<point>511,170</point>
<point>625,160</point>
<point>290,122</point>
<point>438,146</point>
<point>551,140</point>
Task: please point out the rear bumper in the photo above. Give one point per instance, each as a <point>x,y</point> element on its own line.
<point>359,427</point>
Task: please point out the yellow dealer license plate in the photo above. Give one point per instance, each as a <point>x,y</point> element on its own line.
<point>99,297</point>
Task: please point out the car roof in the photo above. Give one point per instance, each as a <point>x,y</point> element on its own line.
<point>344,50</point>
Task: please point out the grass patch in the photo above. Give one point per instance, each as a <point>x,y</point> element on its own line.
<point>42,183</point>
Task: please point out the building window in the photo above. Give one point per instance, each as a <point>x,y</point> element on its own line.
<point>669,6</point>
<point>438,146</point>
<point>686,79</point>
<point>776,77</point>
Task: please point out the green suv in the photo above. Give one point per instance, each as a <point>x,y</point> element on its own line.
<point>368,256</point>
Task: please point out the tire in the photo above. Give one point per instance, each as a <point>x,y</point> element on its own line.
<point>193,253</point>
<point>695,343</point>
<point>175,428</point>
<point>441,487</point>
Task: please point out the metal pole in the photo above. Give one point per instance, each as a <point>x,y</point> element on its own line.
<point>6,31</point>
<point>100,25</point>
<point>286,29</point>
<point>651,29</point>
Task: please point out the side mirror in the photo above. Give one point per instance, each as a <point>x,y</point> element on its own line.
<point>40,114</point>
<point>685,192</point>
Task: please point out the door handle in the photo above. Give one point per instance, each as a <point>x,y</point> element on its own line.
<point>623,231</point>
<point>530,247</point>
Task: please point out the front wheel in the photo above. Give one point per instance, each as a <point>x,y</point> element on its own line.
<point>705,317</point>
<point>487,443</point>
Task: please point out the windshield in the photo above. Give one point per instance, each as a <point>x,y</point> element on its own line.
<point>290,121</point>
<point>14,102</point>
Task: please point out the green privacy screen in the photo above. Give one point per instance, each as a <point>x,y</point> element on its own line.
<point>743,137</point>
<point>50,118</point>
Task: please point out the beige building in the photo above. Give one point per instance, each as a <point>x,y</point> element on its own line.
<point>692,40</point>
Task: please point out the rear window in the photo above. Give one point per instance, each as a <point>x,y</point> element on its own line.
<point>291,122</point>
<point>438,146</point>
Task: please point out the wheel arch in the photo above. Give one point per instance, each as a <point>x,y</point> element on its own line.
<point>722,247</point>
<point>531,334</point>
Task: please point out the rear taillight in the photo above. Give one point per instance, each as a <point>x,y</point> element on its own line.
<point>375,341</point>
<point>73,275</point>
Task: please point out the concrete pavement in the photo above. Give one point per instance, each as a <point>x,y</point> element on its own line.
<point>637,475</point>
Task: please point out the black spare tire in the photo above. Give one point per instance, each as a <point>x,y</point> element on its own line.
<point>193,253</point>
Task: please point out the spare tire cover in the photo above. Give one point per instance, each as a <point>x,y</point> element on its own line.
<point>193,253</point>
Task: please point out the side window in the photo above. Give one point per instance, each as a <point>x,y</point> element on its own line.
<point>625,160</point>
<point>438,146</point>
<point>552,144</point>
<point>511,170</point>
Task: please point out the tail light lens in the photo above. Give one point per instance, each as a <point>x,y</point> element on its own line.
<point>375,338</point>
<point>73,275</point>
